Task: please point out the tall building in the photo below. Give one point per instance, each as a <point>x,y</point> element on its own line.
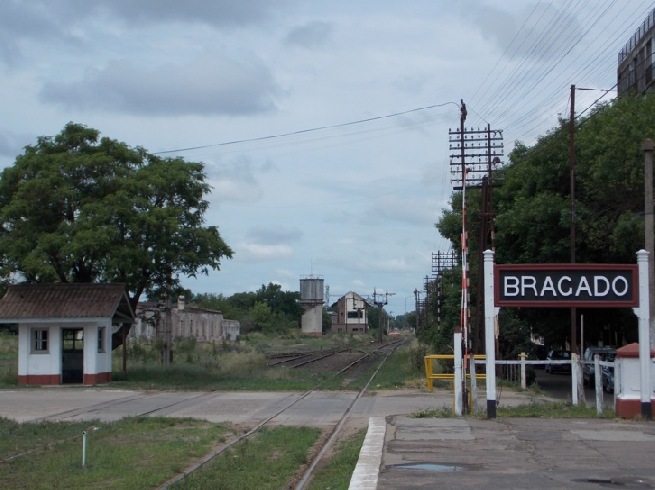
<point>635,71</point>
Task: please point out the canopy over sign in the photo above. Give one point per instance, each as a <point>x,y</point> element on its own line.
<point>566,285</point>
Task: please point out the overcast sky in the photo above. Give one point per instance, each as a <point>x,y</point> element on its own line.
<point>266,91</point>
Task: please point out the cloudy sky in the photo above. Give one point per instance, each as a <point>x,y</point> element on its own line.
<point>323,125</point>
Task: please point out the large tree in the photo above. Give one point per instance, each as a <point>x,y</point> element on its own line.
<point>80,208</point>
<point>533,208</point>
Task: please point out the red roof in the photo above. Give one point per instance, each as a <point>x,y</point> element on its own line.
<point>631,350</point>
<point>65,300</point>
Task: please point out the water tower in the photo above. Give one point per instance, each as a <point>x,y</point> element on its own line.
<point>311,299</point>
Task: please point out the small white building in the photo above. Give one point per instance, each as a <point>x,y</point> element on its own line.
<point>65,330</point>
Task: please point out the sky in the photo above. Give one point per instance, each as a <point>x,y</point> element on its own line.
<point>323,126</point>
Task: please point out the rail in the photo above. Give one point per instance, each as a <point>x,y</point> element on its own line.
<point>431,376</point>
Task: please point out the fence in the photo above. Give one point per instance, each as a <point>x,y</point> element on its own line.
<point>516,371</point>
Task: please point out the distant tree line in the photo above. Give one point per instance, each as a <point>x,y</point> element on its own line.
<point>269,309</point>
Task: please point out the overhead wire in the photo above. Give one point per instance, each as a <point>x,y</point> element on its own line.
<point>306,130</point>
<point>593,63</point>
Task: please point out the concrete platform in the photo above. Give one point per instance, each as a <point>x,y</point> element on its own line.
<point>506,453</point>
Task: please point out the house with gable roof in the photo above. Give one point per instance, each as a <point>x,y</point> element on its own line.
<point>65,330</point>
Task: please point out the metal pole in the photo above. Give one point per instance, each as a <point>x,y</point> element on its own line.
<point>83,448</point>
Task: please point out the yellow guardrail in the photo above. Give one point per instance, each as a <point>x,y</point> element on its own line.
<point>432,376</point>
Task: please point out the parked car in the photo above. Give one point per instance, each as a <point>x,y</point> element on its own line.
<point>607,374</point>
<point>558,355</point>
<point>588,373</point>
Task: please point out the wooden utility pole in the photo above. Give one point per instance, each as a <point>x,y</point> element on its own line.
<point>574,328</point>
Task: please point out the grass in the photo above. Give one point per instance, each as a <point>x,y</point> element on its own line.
<point>270,460</point>
<point>133,453</point>
<point>540,410</point>
<point>335,475</point>
<point>553,410</point>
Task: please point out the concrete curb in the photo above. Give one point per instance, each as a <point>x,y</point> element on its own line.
<point>366,472</point>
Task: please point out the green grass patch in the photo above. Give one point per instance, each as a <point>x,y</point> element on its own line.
<point>200,377</point>
<point>553,410</point>
<point>269,460</point>
<point>400,371</point>
<point>335,475</point>
<point>133,453</point>
<point>534,409</point>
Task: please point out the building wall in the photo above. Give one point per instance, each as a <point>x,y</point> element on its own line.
<point>185,321</point>
<point>39,367</point>
<point>312,321</point>
<point>351,314</point>
<point>232,329</point>
<point>45,368</point>
<point>636,62</point>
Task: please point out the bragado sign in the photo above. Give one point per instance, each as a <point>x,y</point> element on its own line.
<point>566,285</point>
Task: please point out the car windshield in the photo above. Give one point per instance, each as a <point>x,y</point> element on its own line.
<point>560,355</point>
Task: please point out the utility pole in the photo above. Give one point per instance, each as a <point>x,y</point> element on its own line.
<point>380,304</point>
<point>574,327</point>
<point>473,146</point>
<point>416,310</point>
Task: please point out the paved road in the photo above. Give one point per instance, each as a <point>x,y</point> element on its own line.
<point>402,452</point>
<point>318,408</point>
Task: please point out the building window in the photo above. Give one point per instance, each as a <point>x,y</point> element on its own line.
<point>101,339</point>
<point>40,340</point>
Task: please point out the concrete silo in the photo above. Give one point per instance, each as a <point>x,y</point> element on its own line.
<point>311,299</point>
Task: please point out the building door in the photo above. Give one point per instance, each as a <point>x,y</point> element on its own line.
<point>72,355</point>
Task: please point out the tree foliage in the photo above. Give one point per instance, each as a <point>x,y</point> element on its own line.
<point>268,308</point>
<point>80,208</point>
<point>533,209</point>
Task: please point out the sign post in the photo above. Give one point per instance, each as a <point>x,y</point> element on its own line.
<point>490,313</point>
<point>568,286</point>
<point>643,314</point>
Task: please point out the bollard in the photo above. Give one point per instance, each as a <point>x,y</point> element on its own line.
<point>83,448</point>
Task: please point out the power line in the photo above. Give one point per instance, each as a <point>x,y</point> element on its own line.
<point>309,130</point>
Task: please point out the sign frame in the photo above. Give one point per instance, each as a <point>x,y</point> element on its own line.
<point>500,270</point>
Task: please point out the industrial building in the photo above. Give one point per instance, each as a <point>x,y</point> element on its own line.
<point>635,64</point>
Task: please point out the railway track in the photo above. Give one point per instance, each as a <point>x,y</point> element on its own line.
<point>362,360</point>
<point>382,351</point>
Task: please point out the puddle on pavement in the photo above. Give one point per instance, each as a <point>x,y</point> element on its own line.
<point>431,467</point>
<point>621,482</point>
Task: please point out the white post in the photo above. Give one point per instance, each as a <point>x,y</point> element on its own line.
<point>490,312</point>
<point>457,352</point>
<point>575,376</point>
<point>523,355</point>
<point>598,384</point>
<point>643,314</point>
<point>83,448</point>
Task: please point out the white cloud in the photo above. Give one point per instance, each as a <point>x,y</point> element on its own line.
<point>262,252</point>
<point>212,85</point>
<point>355,203</point>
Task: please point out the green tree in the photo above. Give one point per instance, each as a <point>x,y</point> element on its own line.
<point>284,303</point>
<point>533,209</point>
<point>79,208</point>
